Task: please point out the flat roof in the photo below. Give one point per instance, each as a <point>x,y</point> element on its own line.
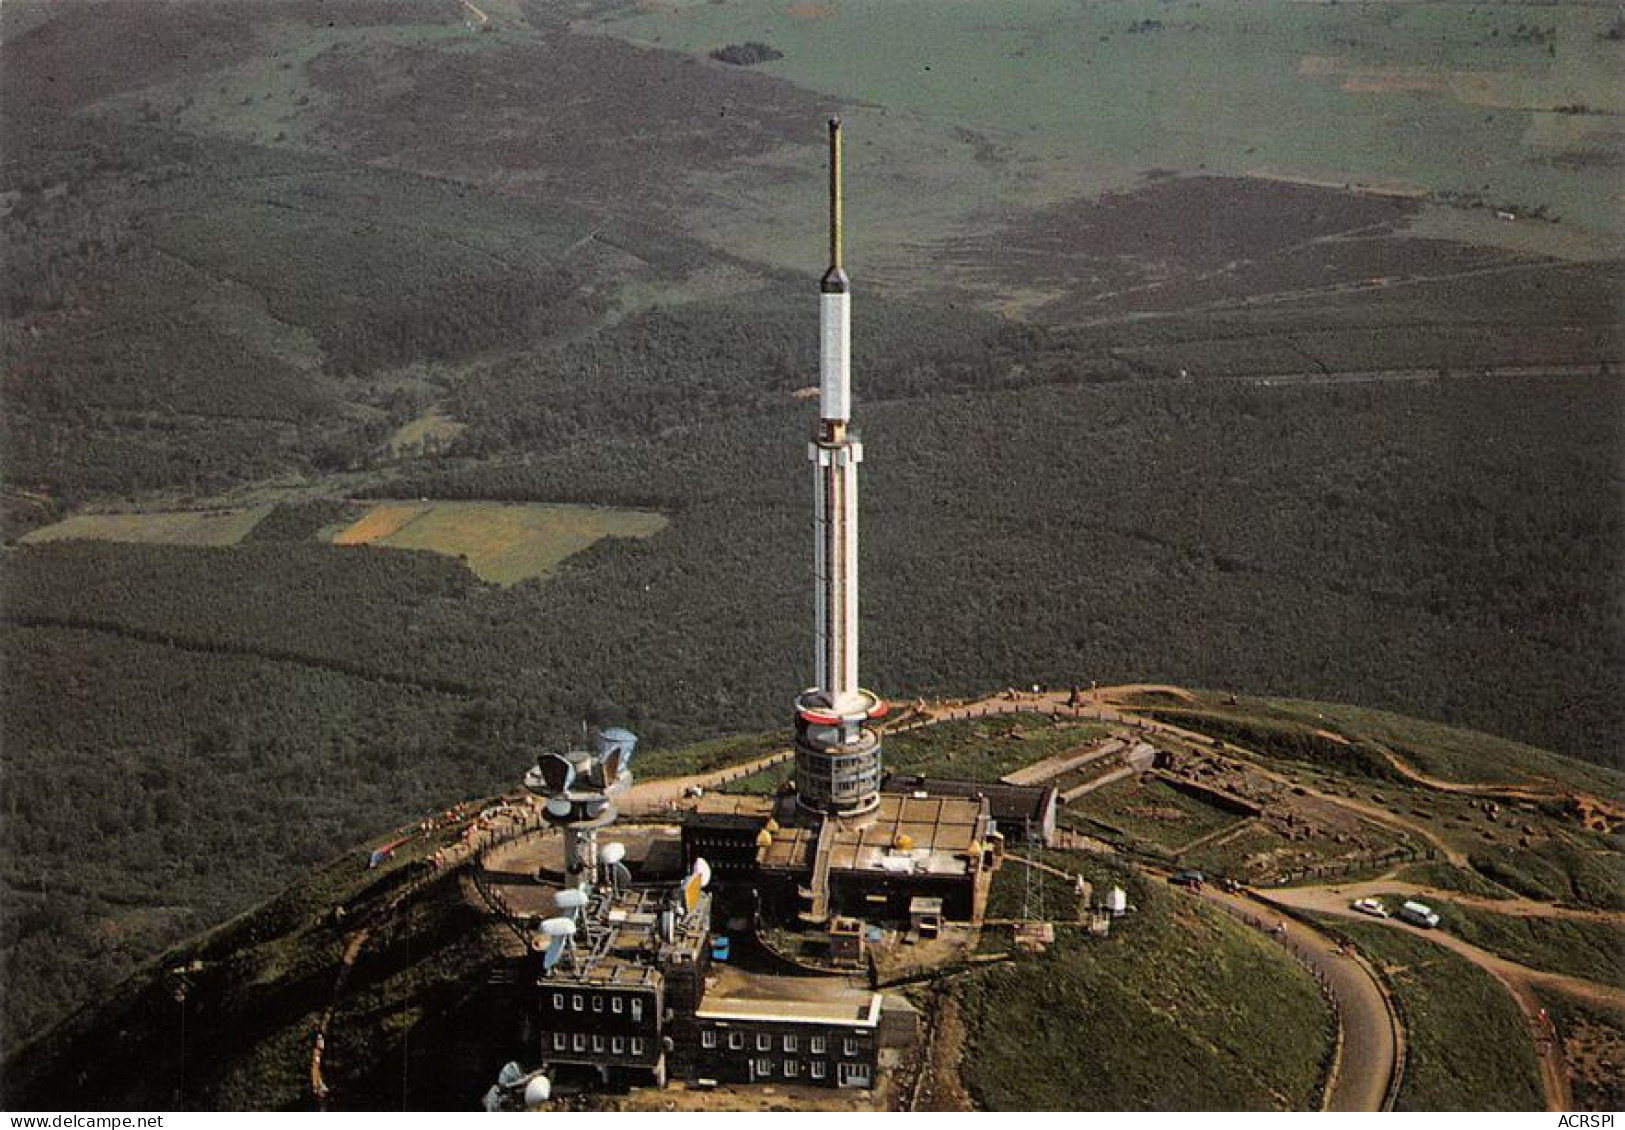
<point>846,1007</point>
<point>944,832</point>
<point>617,942</point>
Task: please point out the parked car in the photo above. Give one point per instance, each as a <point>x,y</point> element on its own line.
<point>1372,907</point>
<point>720,947</point>
<point>1192,879</point>
<point>1419,914</point>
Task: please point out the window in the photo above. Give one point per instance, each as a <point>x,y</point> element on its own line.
<point>575,1001</point>
<point>764,1068</point>
<point>849,1047</point>
<point>764,1042</point>
<point>598,1002</point>
<point>578,1042</point>
<point>558,1041</point>
<point>618,1045</point>
<point>818,1069</point>
<point>598,1043</point>
<point>558,1002</point>
<point>792,1068</point>
<point>736,1040</point>
<point>616,1004</point>
<point>637,1008</point>
<point>637,1045</point>
<point>791,1043</point>
<point>816,1045</point>
<point>708,1038</point>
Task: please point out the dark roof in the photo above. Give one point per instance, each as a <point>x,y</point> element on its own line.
<point>1005,803</point>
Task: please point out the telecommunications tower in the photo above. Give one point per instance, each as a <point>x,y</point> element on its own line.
<point>837,756</point>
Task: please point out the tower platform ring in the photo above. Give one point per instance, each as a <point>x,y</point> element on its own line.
<point>811,707</point>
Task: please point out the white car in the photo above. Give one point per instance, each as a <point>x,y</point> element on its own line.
<point>1372,907</point>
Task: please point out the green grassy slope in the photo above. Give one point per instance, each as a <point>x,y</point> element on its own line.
<point>1590,949</point>
<point>1467,1047</point>
<point>1181,1008</point>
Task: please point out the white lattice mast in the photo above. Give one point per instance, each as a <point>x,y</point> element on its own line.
<point>837,757</point>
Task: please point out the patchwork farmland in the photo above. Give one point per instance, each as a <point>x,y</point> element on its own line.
<point>503,543</point>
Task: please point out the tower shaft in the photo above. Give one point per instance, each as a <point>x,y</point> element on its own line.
<point>837,757</point>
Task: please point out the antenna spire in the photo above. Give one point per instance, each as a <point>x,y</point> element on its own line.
<point>835,265</point>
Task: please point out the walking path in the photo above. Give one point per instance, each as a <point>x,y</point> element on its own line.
<point>665,794</point>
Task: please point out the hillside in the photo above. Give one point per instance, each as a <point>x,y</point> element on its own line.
<point>411,962</point>
<point>1146,393</point>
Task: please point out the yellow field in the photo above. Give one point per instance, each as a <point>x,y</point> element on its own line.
<point>379,523</point>
<point>503,543</point>
<point>173,527</point>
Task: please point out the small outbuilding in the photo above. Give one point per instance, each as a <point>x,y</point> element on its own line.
<point>925,916</point>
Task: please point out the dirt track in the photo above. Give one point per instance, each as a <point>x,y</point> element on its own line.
<point>664,794</point>
<point>1342,894</point>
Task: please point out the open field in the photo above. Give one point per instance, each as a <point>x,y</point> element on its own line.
<point>1043,102</point>
<point>503,543</point>
<point>1151,810</point>
<point>182,527</point>
<point>985,749</point>
<point>1466,1045</point>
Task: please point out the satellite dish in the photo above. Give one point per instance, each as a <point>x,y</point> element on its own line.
<point>612,766</point>
<point>557,773</point>
<point>571,898</point>
<point>618,740</point>
<point>534,781</point>
<point>612,853</point>
<point>558,932</point>
<point>537,1091</point>
<point>559,927</point>
<point>510,1074</point>
<point>558,806</point>
<point>703,870</point>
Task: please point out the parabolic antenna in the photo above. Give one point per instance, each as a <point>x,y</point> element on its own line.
<point>558,806</point>
<point>559,927</point>
<point>571,898</point>
<point>558,931</point>
<point>611,853</point>
<point>537,1091</point>
<point>557,773</point>
<point>615,739</point>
